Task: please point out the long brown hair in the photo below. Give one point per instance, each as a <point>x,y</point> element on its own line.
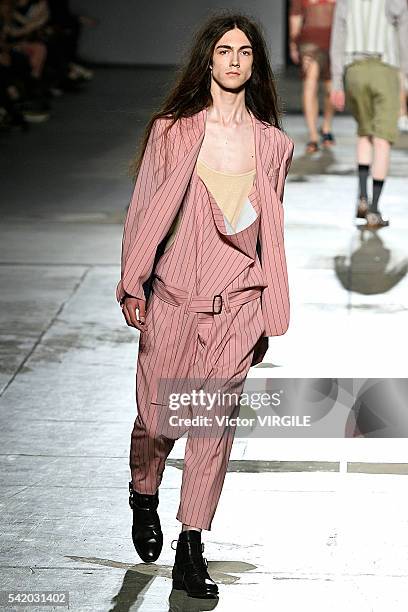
<point>191,91</point>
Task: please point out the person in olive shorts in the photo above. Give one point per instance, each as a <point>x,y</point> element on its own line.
<point>367,51</point>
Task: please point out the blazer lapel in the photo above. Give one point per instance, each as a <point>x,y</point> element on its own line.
<point>185,143</point>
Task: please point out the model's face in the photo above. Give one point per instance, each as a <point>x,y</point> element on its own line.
<point>232,59</point>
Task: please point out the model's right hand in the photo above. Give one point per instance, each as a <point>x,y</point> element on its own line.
<point>129,310</point>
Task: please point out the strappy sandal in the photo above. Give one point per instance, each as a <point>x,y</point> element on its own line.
<point>375,221</point>
<point>327,139</point>
<point>312,147</point>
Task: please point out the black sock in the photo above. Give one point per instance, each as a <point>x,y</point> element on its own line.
<point>363,171</point>
<point>377,188</point>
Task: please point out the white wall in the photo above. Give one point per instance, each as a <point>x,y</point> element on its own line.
<point>135,32</point>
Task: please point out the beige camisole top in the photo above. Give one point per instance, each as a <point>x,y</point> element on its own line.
<point>230,191</point>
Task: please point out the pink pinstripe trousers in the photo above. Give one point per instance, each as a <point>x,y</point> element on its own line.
<point>184,346</point>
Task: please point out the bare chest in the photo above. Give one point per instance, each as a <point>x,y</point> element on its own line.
<point>228,149</point>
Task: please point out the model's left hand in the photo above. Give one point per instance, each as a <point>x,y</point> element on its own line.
<point>338,99</point>
<point>260,349</point>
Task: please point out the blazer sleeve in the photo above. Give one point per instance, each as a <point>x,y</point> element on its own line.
<point>275,297</point>
<point>284,168</point>
<point>149,178</point>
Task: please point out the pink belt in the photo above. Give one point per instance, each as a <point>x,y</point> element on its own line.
<point>204,303</point>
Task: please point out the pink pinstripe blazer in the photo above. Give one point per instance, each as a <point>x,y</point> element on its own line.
<point>158,193</point>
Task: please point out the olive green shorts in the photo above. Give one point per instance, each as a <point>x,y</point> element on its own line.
<point>372,95</point>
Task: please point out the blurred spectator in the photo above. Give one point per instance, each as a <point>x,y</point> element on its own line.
<point>15,74</point>
<point>69,26</point>
<point>27,18</point>
<point>23,60</point>
<point>310,23</point>
<point>38,57</point>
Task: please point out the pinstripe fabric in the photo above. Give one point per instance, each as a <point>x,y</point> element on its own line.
<point>162,186</point>
<point>181,346</point>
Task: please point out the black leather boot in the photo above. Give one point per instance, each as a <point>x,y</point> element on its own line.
<point>147,535</point>
<point>190,568</point>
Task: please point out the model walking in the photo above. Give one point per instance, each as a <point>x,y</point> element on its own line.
<point>212,269</point>
<point>368,48</point>
<point>310,23</point>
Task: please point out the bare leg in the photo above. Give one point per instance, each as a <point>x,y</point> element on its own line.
<point>381,160</point>
<point>364,150</point>
<point>185,527</point>
<point>37,56</point>
<point>328,110</point>
<point>38,59</point>
<point>310,96</point>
